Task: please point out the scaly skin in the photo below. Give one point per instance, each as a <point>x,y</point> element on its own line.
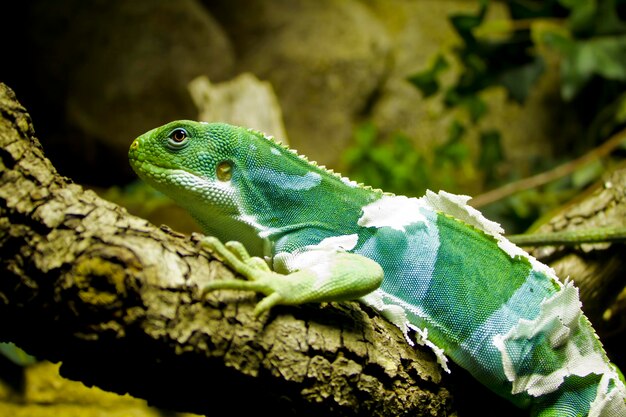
<point>451,280</point>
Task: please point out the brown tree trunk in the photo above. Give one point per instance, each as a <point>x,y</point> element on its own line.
<point>117,300</point>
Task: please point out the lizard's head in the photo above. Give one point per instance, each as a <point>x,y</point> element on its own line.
<point>189,161</point>
<point>192,163</point>
<point>239,182</point>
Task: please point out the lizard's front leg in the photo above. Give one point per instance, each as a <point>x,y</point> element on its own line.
<point>323,275</point>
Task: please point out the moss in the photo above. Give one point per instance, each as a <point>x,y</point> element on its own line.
<point>47,394</point>
<point>101,282</point>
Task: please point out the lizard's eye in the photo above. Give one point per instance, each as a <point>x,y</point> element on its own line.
<point>177,138</point>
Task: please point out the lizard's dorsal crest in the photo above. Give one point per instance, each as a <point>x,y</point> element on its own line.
<point>347,181</point>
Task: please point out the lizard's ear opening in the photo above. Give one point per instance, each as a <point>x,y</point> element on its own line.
<point>224,171</point>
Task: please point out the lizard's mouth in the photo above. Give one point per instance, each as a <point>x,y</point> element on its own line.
<point>151,171</point>
<point>142,165</point>
<point>147,170</point>
<point>185,186</point>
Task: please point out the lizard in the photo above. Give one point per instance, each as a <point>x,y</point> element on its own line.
<point>298,232</point>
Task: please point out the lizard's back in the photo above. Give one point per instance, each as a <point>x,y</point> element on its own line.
<point>494,310</point>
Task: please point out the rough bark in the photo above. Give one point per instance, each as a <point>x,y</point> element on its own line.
<point>597,269</point>
<point>117,301</point>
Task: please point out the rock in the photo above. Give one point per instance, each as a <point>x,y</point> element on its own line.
<point>325,59</point>
<point>123,68</point>
<point>243,101</point>
<point>105,71</point>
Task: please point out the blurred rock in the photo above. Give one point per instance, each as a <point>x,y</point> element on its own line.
<point>243,101</point>
<point>96,74</point>
<point>120,68</point>
<point>326,60</point>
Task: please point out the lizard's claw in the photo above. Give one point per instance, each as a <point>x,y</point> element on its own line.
<point>236,257</point>
<point>254,269</point>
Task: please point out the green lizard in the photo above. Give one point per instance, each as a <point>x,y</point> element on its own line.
<point>434,266</point>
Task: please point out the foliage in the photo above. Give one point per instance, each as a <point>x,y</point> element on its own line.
<point>589,39</point>
<point>396,166</point>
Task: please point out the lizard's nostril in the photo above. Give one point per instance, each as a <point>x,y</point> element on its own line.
<point>134,145</point>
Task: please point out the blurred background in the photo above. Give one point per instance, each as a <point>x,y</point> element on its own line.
<point>404,95</point>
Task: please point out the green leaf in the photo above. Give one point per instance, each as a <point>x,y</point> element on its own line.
<point>592,18</point>
<point>427,81</point>
<point>454,152</point>
<point>603,56</point>
<point>526,10</point>
<point>491,148</point>
<point>365,134</point>
<point>519,81</point>
<point>607,56</point>
<point>491,153</point>
<point>476,107</point>
<point>582,14</point>
<point>464,24</point>
<point>456,131</point>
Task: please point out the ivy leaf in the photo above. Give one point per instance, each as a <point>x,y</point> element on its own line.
<point>454,151</point>
<point>491,153</point>
<point>581,15</point>
<point>364,137</point>
<point>476,107</point>
<point>509,62</point>
<point>518,81</point>
<point>590,18</point>
<point>427,81</point>
<point>464,24</point>
<point>526,10</point>
<point>603,56</point>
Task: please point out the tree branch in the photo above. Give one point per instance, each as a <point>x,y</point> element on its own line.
<point>553,174</point>
<point>117,301</point>
<point>597,268</point>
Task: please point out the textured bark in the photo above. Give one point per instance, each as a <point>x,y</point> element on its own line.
<point>117,301</point>
<point>597,269</point>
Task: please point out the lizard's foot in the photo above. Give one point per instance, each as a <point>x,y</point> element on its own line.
<point>254,269</point>
<point>236,257</point>
<point>321,276</point>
